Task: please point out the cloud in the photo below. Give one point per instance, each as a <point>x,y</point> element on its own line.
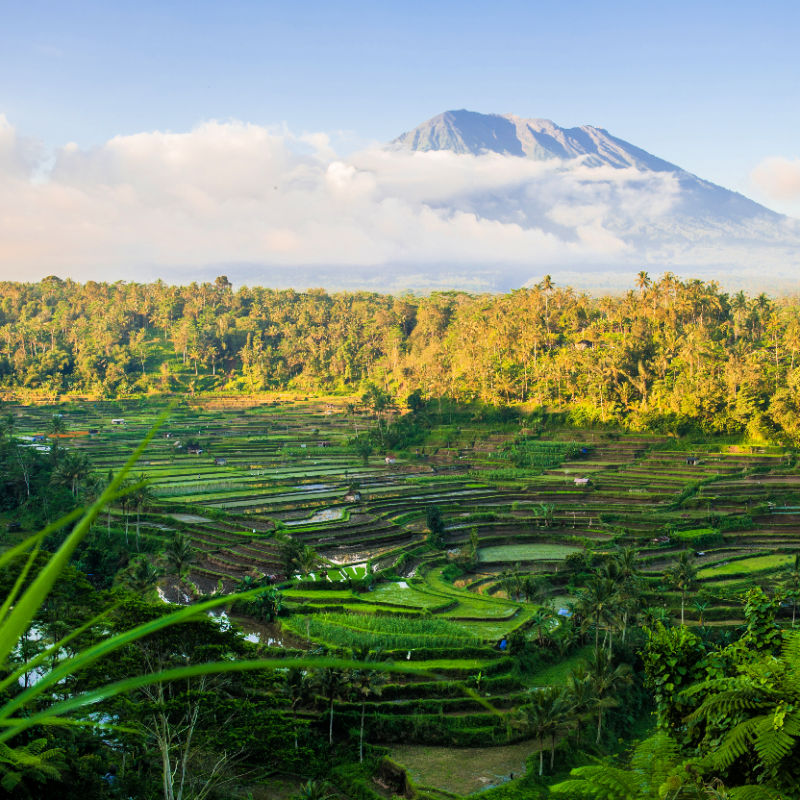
<point>248,200</point>
<point>778,178</point>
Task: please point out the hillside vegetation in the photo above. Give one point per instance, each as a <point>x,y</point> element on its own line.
<point>671,356</point>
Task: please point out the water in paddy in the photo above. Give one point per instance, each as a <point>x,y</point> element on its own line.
<point>270,634</point>
<point>190,518</point>
<point>326,515</point>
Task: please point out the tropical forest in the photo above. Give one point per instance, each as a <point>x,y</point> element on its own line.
<point>261,543</point>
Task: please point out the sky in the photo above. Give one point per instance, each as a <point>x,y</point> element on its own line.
<point>711,86</point>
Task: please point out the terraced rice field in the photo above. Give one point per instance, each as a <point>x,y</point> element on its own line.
<point>503,553</point>
<point>287,464</point>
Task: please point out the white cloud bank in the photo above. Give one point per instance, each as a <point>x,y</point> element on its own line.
<point>265,205</point>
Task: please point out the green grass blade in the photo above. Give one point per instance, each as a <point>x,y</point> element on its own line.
<point>78,702</point>
<point>15,589</point>
<point>106,646</point>
<point>20,617</point>
<point>54,648</point>
<point>34,539</point>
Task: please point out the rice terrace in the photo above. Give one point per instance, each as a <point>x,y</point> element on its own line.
<point>468,554</point>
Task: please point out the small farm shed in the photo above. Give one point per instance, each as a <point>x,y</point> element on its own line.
<point>118,421</point>
<point>692,461</point>
<point>582,482</point>
<point>352,497</point>
<point>194,449</point>
<point>390,459</point>
<point>220,462</point>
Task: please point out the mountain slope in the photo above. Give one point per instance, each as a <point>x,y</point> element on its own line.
<point>469,132</point>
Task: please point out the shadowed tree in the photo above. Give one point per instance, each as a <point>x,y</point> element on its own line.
<point>180,555</point>
<point>683,576</point>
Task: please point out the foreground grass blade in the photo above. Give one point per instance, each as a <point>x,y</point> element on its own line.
<point>54,648</point>
<point>18,724</point>
<point>19,619</point>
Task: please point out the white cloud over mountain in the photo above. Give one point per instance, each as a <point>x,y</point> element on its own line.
<point>265,205</point>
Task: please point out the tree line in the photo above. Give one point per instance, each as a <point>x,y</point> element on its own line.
<point>670,355</point>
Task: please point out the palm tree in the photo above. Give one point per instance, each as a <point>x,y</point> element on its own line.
<point>298,689</point>
<point>597,604</point>
<point>579,690</point>
<point>180,555</point>
<point>72,470</point>
<point>792,584</point>
<point>546,716</point>
<point>683,576</point>
<point>306,560</point>
<point>606,681</point>
<point>143,576</point>
<point>333,683</point>
<point>365,683</point>
<point>624,571</point>
<point>541,625</point>
<point>140,498</point>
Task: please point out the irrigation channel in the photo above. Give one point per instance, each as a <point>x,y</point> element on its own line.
<point>288,465</point>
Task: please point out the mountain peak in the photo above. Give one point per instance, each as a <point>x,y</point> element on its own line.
<point>470,132</point>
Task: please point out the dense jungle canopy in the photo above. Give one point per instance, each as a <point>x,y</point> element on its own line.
<point>670,355</point>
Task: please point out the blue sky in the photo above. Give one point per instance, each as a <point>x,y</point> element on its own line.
<point>189,139</point>
<point>712,86</point>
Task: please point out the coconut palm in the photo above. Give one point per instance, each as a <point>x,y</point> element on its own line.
<point>683,576</point>
<point>365,683</point>
<point>547,716</point>
<point>306,560</point>
<point>791,585</point>
<point>143,575</point>
<point>333,683</point>
<point>597,605</point>
<point>298,688</point>
<point>580,692</point>
<point>180,555</point>
<point>606,679</point>
<point>141,497</point>
<point>72,470</point>
<point>542,623</point>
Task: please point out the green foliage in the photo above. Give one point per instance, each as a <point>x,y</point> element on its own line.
<point>673,660</point>
<point>385,632</point>
<point>699,537</point>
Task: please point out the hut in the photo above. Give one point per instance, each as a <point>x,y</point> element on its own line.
<point>693,461</point>
<point>582,482</point>
<point>220,462</point>
<point>194,449</point>
<point>118,421</point>
<point>352,497</point>
<point>390,459</point>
